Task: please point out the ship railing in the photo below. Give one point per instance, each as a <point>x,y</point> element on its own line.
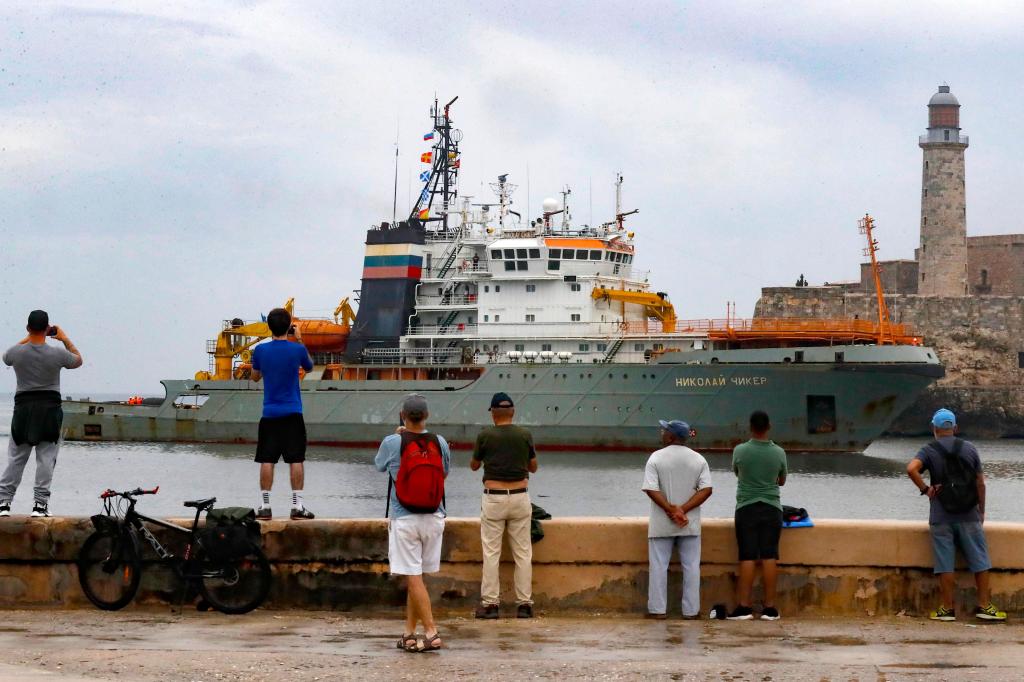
<point>412,356</point>
<point>327,358</point>
<point>459,299</point>
<point>458,329</point>
<point>788,327</point>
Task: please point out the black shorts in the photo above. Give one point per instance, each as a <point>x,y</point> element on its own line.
<point>281,437</point>
<point>758,527</point>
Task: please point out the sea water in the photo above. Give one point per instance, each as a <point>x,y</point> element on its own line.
<point>343,483</point>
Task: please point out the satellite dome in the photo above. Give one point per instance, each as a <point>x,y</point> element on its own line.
<point>943,98</point>
<point>550,205</point>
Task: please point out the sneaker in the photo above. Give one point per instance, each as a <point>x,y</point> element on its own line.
<point>5,509</point>
<point>264,513</point>
<point>989,612</point>
<point>695,616</point>
<point>945,614</point>
<point>770,613</point>
<point>741,613</point>
<point>655,616</point>
<point>524,611</point>
<point>303,513</point>
<point>487,612</point>
<point>40,510</point>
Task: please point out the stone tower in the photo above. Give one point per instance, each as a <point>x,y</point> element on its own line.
<point>942,257</point>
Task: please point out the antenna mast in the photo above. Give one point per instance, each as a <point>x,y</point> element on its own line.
<point>885,335</point>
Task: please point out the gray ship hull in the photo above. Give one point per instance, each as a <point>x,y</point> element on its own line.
<point>816,403</point>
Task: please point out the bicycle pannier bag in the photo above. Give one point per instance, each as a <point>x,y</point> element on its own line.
<point>230,532</point>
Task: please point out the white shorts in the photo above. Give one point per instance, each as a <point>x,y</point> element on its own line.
<point>414,544</point>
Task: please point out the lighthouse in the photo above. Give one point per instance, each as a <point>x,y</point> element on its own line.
<point>942,257</point>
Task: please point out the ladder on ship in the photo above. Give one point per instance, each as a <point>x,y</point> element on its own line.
<point>612,350</point>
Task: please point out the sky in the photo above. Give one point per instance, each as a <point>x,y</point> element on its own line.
<point>166,166</point>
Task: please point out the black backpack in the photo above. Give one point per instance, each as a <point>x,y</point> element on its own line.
<point>959,492</point>
<point>230,533</point>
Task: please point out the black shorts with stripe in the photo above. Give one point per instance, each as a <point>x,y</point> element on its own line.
<point>282,437</point>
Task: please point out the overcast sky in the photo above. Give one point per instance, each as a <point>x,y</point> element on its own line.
<point>164,166</point>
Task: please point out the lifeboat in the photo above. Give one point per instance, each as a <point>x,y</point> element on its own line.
<point>324,336</point>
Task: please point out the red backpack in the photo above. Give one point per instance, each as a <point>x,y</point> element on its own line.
<point>419,485</point>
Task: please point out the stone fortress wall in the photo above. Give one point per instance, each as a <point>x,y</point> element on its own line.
<point>980,340</point>
<point>964,295</point>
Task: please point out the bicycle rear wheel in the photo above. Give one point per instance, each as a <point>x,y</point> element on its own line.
<point>109,569</point>
<point>234,586</point>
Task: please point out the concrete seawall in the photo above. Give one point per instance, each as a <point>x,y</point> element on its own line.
<point>583,564</point>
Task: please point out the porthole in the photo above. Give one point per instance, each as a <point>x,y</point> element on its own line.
<point>625,376</point>
<point>556,408</point>
<point>533,376</point>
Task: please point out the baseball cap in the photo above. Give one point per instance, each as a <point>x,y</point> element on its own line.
<point>414,406</point>
<point>501,400</point>
<point>38,321</point>
<point>944,419</point>
<point>677,428</point>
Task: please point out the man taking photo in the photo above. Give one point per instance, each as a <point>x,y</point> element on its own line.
<point>37,416</point>
<point>282,430</point>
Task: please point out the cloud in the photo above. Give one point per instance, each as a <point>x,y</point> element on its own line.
<point>167,166</point>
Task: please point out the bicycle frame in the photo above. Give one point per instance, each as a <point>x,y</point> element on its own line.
<point>137,521</point>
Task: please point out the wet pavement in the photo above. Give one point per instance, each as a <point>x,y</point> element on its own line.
<point>156,644</point>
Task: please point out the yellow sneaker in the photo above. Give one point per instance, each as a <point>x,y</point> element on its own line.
<point>943,614</point>
<point>989,612</point>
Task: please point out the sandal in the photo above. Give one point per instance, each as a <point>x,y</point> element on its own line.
<point>409,643</point>
<point>431,643</point>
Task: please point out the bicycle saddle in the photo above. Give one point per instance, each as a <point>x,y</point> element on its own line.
<point>201,504</point>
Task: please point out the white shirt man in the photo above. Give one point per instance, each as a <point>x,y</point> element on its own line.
<point>677,480</point>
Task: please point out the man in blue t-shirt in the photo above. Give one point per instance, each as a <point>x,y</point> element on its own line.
<point>282,431</point>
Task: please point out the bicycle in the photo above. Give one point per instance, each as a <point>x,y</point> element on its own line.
<point>110,561</point>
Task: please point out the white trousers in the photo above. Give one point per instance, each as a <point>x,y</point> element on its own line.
<point>659,552</point>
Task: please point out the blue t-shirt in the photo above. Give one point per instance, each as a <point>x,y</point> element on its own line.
<point>279,361</point>
<point>389,456</point>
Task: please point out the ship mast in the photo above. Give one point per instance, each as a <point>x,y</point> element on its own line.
<point>441,181</point>
<point>885,332</point>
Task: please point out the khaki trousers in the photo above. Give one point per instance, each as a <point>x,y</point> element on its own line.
<point>498,514</point>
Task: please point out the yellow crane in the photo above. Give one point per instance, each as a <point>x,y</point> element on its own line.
<point>655,305</point>
<point>237,338</point>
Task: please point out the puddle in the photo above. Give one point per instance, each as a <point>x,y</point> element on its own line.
<point>936,666</point>
<point>837,640</point>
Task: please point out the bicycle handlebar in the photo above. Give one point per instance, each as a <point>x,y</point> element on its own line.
<point>128,493</point>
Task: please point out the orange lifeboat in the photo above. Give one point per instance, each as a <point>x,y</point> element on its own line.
<point>324,336</point>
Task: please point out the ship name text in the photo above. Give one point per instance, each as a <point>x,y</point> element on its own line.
<point>700,382</point>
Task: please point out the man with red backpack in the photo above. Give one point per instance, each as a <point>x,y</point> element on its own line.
<point>417,462</point>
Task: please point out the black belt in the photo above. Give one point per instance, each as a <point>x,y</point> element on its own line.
<point>501,491</point>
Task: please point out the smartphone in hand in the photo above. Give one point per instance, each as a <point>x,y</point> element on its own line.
<point>53,330</point>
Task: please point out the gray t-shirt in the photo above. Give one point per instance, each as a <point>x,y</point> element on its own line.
<point>38,365</point>
<point>934,463</point>
<point>678,472</point>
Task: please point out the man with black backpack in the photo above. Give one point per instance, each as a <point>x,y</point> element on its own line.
<point>956,493</point>
<point>417,462</point>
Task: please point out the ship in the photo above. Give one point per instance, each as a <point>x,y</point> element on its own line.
<point>461,300</point>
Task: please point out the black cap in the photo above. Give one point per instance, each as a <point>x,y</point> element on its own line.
<point>501,400</point>
<point>38,321</point>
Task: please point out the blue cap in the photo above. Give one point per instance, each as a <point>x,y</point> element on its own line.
<point>944,419</point>
<point>501,399</point>
<point>677,428</point>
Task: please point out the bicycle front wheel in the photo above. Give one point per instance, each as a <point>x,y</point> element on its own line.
<point>234,586</point>
<point>109,569</point>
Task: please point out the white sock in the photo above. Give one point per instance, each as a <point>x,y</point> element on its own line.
<point>297,499</point>
<point>264,498</point>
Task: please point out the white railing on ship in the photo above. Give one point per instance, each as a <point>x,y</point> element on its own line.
<point>461,299</point>
<point>412,356</point>
<point>455,329</point>
<point>456,270</point>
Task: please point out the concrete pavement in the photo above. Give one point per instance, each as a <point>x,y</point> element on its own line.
<point>289,646</point>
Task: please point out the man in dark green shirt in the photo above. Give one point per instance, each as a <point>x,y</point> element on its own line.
<point>505,451</point>
<point>760,467</point>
